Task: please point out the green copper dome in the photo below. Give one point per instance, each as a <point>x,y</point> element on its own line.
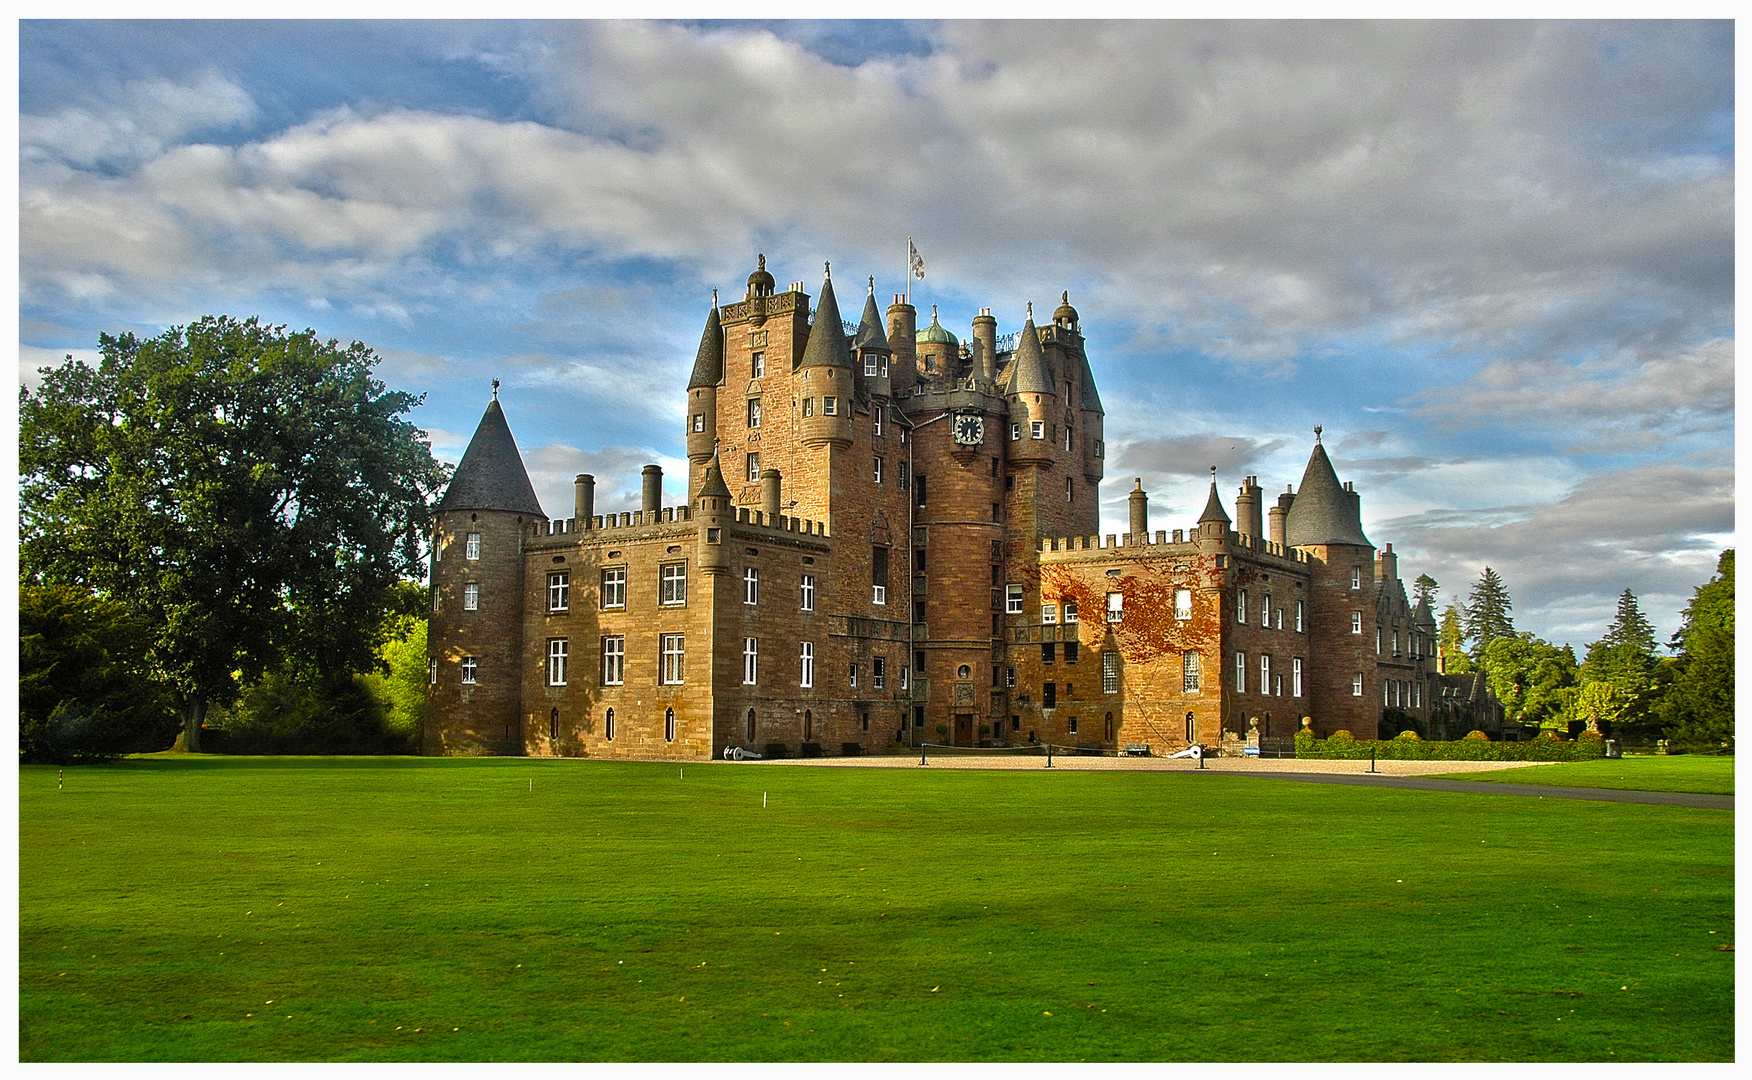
<point>935,334</point>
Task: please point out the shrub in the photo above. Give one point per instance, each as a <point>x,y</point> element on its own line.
<point>1341,736</point>
<point>1477,736</point>
<point>1467,749</point>
<point>1409,735</point>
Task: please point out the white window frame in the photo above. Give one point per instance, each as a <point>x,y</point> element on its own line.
<point>752,464</point>
<point>869,365</point>
<point>1012,599</point>
<point>854,673</point>
<point>750,661</point>
<point>470,671</point>
<point>1265,612</point>
<point>614,587</point>
<point>1190,670</point>
<point>1296,676</point>
<point>672,584</point>
<point>751,585</point>
<point>1299,610</point>
<point>559,590</point>
<point>672,648</point>
<point>557,651</point>
<point>1264,673</point>
<point>471,547</point>
<point>1110,672</point>
<point>905,677</point>
<point>830,406</point>
<point>471,596</point>
<point>878,469</point>
<point>1048,614</point>
<point>757,364</point>
<point>1115,607</point>
<point>878,672</point>
<point>432,672</point>
<point>1183,610</point>
<point>1356,577</point>
<point>879,595</point>
<point>1070,612</point>
<point>754,412</point>
<point>1240,673</point>
<point>808,587</point>
<point>1356,622</point>
<point>1241,608</point>
<point>1015,431</point>
<point>614,660</point>
<point>807,677</point>
<point>1357,684</point>
<point>699,421</point>
<point>1037,429</point>
<point>876,418</point>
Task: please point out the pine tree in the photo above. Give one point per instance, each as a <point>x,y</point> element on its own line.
<point>1698,707</point>
<point>1451,641</point>
<point>1423,590</point>
<point>1630,627</point>
<point>1487,612</point>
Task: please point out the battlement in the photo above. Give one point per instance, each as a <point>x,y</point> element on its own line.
<point>668,515</point>
<point>1184,541</point>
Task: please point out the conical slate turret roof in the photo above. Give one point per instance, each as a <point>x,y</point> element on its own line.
<point>491,474</point>
<point>1323,512</point>
<point>1091,400</point>
<point>827,342</point>
<point>1213,510</point>
<point>708,369</point>
<point>712,485</point>
<point>870,332</point>
<point>1030,376</point>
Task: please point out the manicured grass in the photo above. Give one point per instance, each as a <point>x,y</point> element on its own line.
<point>1680,772</point>
<point>377,909</point>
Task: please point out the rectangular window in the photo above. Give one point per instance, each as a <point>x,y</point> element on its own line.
<point>1049,614</point>
<point>1265,611</point>
<point>830,406</point>
<point>1241,608</point>
<point>1070,652</point>
<point>1110,672</point>
<point>1183,603</point>
<point>876,419</point>
<point>1100,450</point>
<point>879,575</point>
<point>878,470</point>
<point>1012,599</point>
<point>1298,616</point>
<point>1296,677</point>
<point>1189,672</point>
<point>919,494</point>
<point>1070,612</point>
<point>471,548</point>
<point>808,406</point>
<point>1071,726</point>
<point>808,592</point>
<point>1048,652</point>
<point>673,650</point>
<point>559,590</point>
<point>753,462</point>
<point>1377,641</point>
<point>902,478</point>
<point>1015,431</point>
<point>1115,606</point>
<point>1049,695</point>
<point>1356,622</point>
<point>1395,643</point>
<point>468,670</point>
<point>1037,430</point>
<point>1264,674</point>
<point>1280,618</point>
<point>1240,673</point>
<point>753,412</point>
<point>905,677</point>
<point>757,364</point>
<point>471,596</point>
<point>672,583</point>
<point>807,677</point>
<point>878,672</point>
<point>750,661</point>
<point>1277,686</point>
<point>432,673</point>
<point>614,660</point>
<point>854,675</point>
<point>1067,438</point>
<point>1009,678</point>
<point>1417,694</point>
<point>870,364</point>
<point>614,587</point>
<point>1356,577</point>
<point>556,654</point>
<point>699,421</point>
<point>750,585</point>
<point>1357,685</point>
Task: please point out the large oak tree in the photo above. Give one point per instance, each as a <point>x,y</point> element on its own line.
<point>252,495</point>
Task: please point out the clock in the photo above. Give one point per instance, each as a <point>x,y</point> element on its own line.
<point>969,429</point>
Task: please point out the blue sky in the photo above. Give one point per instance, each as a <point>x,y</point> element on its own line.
<point>1493,260</point>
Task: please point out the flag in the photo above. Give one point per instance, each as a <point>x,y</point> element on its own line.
<point>914,261</point>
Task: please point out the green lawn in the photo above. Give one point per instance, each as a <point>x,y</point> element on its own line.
<point>1680,772</point>
<point>374,909</point>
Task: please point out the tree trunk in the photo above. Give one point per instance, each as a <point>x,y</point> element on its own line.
<point>194,711</point>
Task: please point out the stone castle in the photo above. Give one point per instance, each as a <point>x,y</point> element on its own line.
<point>891,537</point>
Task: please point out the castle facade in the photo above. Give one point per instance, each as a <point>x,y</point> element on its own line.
<point>892,537</point>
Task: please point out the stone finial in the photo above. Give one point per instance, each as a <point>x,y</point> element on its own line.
<point>762,262</point>
<point>872,284</point>
<point>1031,309</point>
<point>1065,297</point>
<point>1316,433</point>
<point>495,389</point>
<point>714,297</point>
<point>827,269</point>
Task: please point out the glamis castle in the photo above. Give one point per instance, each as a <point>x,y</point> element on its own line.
<point>891,537</point>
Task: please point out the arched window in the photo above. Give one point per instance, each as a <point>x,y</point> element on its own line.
<point>808,726</point>
<point>608,724</point>
<point>669,725</point>
<point>554,724</point>
<point>751,725</point>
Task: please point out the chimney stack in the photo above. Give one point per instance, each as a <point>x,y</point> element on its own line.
<point>1140,513</point>
<point>584,498</point>
<point>1247,508</point>
<point>769,495</point>
<point>652,500</point>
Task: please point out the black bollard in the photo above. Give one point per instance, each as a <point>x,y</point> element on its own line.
<point>1049,755</point>
<point>921,753</point>
<point>1372,750</point>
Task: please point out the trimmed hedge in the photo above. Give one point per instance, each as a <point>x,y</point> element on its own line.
<point>1586,746</point>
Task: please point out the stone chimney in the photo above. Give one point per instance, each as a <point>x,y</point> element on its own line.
<point>584,498</point>
<point>652,495</point>
<point>1140,513</point>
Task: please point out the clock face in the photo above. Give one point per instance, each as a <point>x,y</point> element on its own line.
<point>969,430</point>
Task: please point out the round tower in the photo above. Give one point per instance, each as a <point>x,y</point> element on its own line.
<point>702,391</point>
<point>938,350</point>
<point>824,384</point>
<point>712,506</point>
<point>475,635</point>
<point>985,344</point>
<point>1034,403</point>
<point>873,352</point>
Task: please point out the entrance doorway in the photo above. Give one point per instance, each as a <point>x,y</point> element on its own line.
<point>963,730</point>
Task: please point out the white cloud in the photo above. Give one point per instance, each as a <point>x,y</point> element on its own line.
<point>147,117</point>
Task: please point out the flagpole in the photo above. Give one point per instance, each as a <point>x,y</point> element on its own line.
<point>909,251</point>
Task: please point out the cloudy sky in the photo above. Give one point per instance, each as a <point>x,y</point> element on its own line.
<point>1493,260</point>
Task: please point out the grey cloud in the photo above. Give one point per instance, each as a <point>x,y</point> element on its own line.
<point>1193,455</point>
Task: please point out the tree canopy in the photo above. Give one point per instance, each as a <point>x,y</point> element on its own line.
<point>252,495</point>
<point>1530,676</point>
<point>1423,590</point>
<point>1451,641</point>
<point>1699,704</point>
<point>1487,612</point>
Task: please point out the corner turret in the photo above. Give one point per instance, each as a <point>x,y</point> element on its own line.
<point>824,383</point>
<point>1324,511</point>
<point>1033,400</point>
<point>713,507</point>
<point>702,390</point>
<point>1213,524</point>
<point>872,348</point>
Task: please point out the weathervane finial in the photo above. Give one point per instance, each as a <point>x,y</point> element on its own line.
<point>495,389</point>
<point>1316,434</point>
